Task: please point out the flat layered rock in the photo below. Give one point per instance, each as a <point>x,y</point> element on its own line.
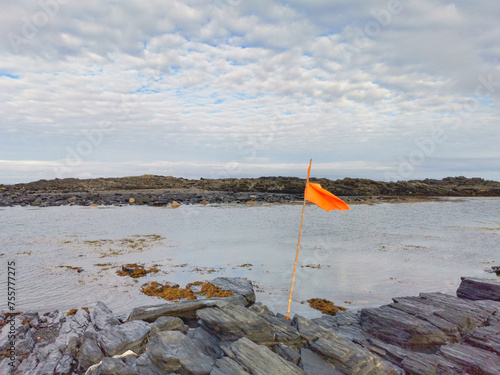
<point>232,322</point>
<point>260,360</point>
<point>452,317</point>
<point>226,366</point>
<point>402,329</point>
<point>313,364</point>
<point>453,305</point>
<point>433,333</point>
<point>309,330</point>
<point>349,357</point>
<point>475,360</point>
<point>487,338</point>
<point>478,289</point>
<point>421,363</point>
<point>283,330</point>
<point>287,353</point>
<point>206,341</point>
<point>184,309</point>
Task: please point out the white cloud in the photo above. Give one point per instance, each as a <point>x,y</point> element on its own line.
<point>213,82</point>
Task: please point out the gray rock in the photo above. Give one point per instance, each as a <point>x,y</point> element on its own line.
<point>433,333</point>
<point>288,353</point>
<point>233,321</point>
<point>47,365</point>
<point>312,364</point>
<point>208,343</point>
<point>111,366</point>
<point>473,359</point>
<point>414,362</point>
<point>309,330</point>
<point>454,305</point>
<point>168,323</point>
<point>238,286</point>
<point>402,329</point>
<point>128,336</point>
<point>173,351</point>
<point>435,315</point>
<point>90,354</point>
<point>421,363</point>
<point>478,289</point>
<point>185,309</point>
<point>260,360</point>
<point>487,338</point>
<point>345,325</point>
<point>349,357</point>
<point>102,317</point>
<point>342,318</point>
<point>226,366</point>
<point>284,332</point>
<point>145,365</point>
<point>37,202</point>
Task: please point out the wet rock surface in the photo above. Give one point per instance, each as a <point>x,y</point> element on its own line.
<point>166,190</point>
<point>433,333</point>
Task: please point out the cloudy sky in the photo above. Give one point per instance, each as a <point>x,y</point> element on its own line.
<point>387,90</point>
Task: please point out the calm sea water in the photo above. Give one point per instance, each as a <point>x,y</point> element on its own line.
<point>359,259</point>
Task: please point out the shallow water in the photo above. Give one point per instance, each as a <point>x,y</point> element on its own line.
<point>359,259</point>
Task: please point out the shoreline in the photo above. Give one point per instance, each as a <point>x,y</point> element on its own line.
<point>156,190</point>
<point>165,198</point>
<point>431,333</point>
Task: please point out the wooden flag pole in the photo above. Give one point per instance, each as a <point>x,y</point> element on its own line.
<point>298,247</point>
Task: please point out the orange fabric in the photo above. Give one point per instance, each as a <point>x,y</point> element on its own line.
<point>323,198</point>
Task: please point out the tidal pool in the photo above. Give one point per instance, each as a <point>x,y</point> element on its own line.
<point>67,257</point>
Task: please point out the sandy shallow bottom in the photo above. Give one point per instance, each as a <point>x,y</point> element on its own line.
<point>359,259</point>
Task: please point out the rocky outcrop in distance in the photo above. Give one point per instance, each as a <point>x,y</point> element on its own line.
<point>433,333</point>
<point>160,190</point>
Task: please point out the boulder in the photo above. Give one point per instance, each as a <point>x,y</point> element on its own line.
<point>128,336</point>
<point>37,202</point>
<point>90,353</point>
<point>478,289</point>
<point>173,351</point>
<point>238,286</point>
<point>102,317</point>
<point>168,323</point>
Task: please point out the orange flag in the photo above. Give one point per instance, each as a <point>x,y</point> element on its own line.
<point>314,193</point>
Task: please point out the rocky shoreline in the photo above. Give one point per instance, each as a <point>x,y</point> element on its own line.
<point>433,333</point>
<point>164,190</point>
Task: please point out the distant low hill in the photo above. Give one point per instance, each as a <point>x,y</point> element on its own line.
<point>450,186</point>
